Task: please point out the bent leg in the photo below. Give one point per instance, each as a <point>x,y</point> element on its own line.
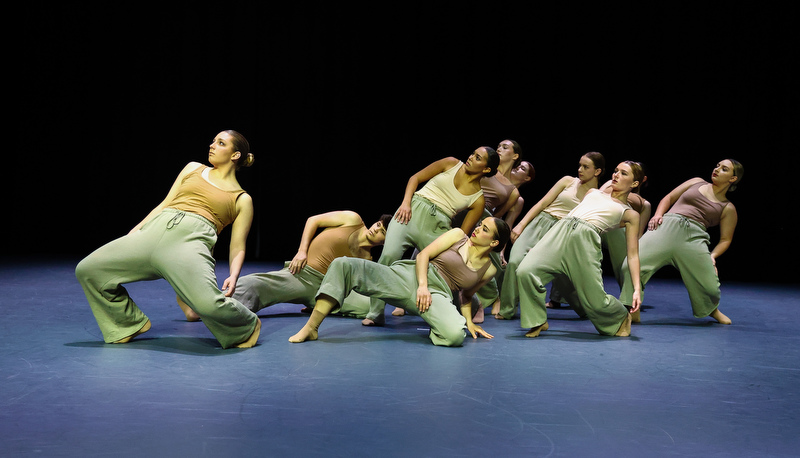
<point>102,274</point>
<point>264,289</point>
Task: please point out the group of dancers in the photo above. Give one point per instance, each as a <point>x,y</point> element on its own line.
<point>457,216</point>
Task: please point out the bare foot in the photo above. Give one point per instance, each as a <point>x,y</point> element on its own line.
<point>190,314</point>
<point>496,308</point>
<point>144,329</point>
<point>478,318</point>
<point>635,317</point>
<point>251,341</point>
<point>721,317</point>
<point>499,317</point>
<point>553,305</point>
<point>625,328</point>
<point>379,321</point>
<point>305,334</point>
<point>534,332</point>
<point>398,311</point>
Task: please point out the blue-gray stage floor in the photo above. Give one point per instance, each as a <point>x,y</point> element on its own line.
<point>679,386</point>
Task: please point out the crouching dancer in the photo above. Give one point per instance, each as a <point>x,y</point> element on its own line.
<point>453,263</point>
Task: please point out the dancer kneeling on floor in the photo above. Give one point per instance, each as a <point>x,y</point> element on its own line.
<point>453,263</point>
<point>572,249</point>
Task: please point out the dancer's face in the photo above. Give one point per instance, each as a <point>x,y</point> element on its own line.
<point>484,234</point>
<point>376,234</point>
<point>506,152</point>
<point>221,150</point>
<point>478,160</point>
<point>586,169</point>
<point>723,173</point>
<point>521,173</point>
<point>622,179</point>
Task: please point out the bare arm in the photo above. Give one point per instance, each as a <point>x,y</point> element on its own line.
<point>473,216</point>
<point>239,230</point>
<point>508,205</point>
<point>466,304</point>
<point>643,207</point>
<point>173,191</point>
<point>631,223</point>
<point>436,247</point>
<point>666,203</point>
<point>329,219</point>
<point>515,211</point>
<point>403,214</point>
<point>543,203</point>
<point>727,225</point>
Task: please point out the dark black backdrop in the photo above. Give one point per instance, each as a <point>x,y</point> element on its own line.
<point>342,104</point>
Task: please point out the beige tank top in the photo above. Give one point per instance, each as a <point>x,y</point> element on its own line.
<point>600,210</point>
<point>565,201</point>
<point>441,190</point>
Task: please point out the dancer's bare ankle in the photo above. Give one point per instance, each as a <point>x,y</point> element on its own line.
<point>307,333</point>
<point>534,332</point>
<point>251,341</point>
<point>720,317</point>
<point>191,315</point>
<point>625,328</point>
<point>142,330</point>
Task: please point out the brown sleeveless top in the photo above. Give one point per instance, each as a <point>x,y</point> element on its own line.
<point>454,270</point>
<point>694,205</point>
<point>330,244</point>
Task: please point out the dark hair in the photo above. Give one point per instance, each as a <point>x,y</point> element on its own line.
<point>599,162</point>
<point>517,150</point>
<point>385,220</point>
<point>501,234</point>
<point>738,171</point>
<point>492,160</point>
<point>531,172</point>
<point>241,145</point>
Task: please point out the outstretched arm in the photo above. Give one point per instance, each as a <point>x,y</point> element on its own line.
<point>403,214</point>
<point>543,203</point>
<point>666,203</point>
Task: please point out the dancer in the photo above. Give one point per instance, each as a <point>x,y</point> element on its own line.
<point>453,263</point>
<point>615,241</point>
<point>450,186</point>
<point>616,244</point>
<point>519,176</point>
<point>500,195</point>
<point>558,201</point>
<point>174,242</point>
<point>343,234</point>
<point>678,236</point>
<point>572,249</point>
